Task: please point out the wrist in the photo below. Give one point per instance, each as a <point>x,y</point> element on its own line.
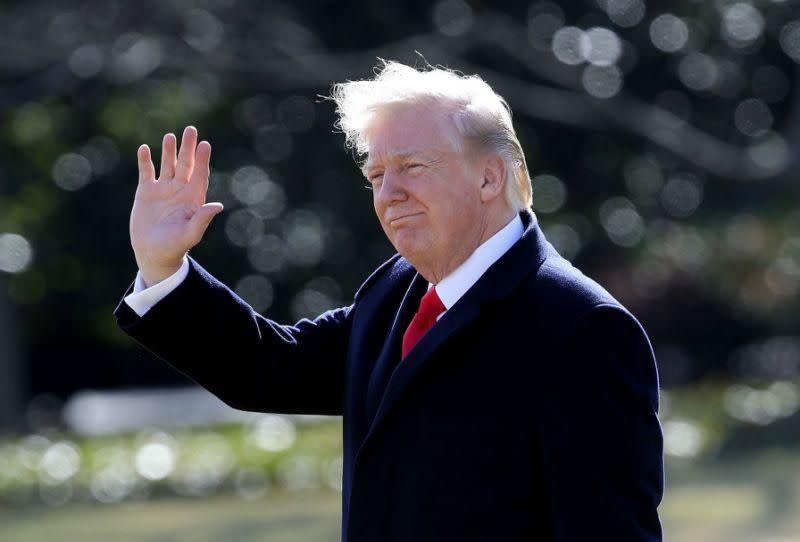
<point>152,275</point>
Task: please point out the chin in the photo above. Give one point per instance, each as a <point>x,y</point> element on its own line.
<point>409,246</point>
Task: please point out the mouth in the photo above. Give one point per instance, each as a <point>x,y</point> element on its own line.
<point>394,221</point>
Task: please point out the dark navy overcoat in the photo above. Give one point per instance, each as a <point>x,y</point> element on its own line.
<point>527,413</point>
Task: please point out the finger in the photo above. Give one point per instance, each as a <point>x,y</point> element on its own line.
<point>147,171</point>
<point>202,218</point>
<point>168,146</point>
<point>186,154</point>
<point>202,165</point>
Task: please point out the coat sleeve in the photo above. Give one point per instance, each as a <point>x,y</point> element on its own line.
<point>207,332</point>
<point>600,434</point>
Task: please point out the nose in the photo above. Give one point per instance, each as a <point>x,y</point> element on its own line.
<point>392,189</point>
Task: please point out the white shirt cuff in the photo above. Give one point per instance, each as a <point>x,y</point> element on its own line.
<point>143,298</point>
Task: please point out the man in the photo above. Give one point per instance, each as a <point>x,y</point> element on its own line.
<point>490,391</point>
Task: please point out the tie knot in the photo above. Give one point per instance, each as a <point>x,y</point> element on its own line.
<point>431,306</point>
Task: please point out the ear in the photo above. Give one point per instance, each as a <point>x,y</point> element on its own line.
<point>494,176</point>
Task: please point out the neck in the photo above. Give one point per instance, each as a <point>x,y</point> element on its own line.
<point>488,226</point>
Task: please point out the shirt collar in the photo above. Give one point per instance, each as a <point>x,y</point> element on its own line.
<point>453,286</point>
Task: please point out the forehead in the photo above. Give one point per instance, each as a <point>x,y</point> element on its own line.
<point>398,132</point>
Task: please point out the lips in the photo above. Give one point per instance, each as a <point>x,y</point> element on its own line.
<point>402,217</point>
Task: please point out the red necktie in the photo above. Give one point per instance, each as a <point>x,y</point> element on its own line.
<point>429,308</point>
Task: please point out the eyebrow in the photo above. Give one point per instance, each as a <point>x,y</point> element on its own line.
<point>399,156</point>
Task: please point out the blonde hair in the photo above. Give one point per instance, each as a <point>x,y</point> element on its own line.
<point>480,115</point>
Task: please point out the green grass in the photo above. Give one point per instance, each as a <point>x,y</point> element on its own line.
<point>750,499</point>
<point>306,516</point>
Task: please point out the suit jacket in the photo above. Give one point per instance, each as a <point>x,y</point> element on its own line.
<point>528,412</point>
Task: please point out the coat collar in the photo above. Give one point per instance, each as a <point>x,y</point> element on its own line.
<point>522,259</point>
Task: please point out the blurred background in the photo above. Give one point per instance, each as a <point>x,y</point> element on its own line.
<point>662,139</point>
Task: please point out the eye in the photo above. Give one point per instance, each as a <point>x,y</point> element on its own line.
<point>375,180</point>
<point>414,167</point>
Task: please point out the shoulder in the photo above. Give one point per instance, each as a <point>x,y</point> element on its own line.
<point>569,303</point>
<point>562,289</point>
<point>578,310</point>
<point>388,270</point>
<point>591,328</point>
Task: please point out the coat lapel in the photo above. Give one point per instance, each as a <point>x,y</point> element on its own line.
<point>391,351</point>
<point>523,258</point>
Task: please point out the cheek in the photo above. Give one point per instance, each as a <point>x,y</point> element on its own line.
<point>457,205</point>
<point>379,214</point>
<point>378,206</point>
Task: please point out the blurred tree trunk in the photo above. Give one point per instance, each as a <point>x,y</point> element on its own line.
<point>11,401</point>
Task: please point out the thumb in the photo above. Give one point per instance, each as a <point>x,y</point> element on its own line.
<point>202,218</point>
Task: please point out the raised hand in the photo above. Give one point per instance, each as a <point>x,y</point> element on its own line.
<point>170,214</point>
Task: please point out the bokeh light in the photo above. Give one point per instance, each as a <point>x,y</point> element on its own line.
<point>549,193</point>
<point>770,153</point>
<point>681,195</point>
<point>203,30</point>
<point>685,247</point>
<point>87,60</point>
<point>682,438</point>
<point>669,33</point>
<point>601,46</point>
<point>243,227</point>
<point>257,290</point>
<point>16,253</point>
<point>61,461</point>
<point>568,45</point>
<point>304,236</point>
<point>317,296</point>
<point>742,24</point>
<point>790,40</point>
<point>698,71</point>
<point>134,56</point>
<point>602,82</point>
<point>625,13</point>
<point>621,221</point>
<point>333,473</point>
<point>252,186</point>
<point>251,483</point>
<point>643,178</point>
<point>267,254</point>
<point>273,433</point>
<point>745,235</point>
<point>32,122</point>
<point>102,154</point>
<point>113,475</point>
<point>753,117</point>
<point>544,20</point>
<point>762,407</point>
<point>565,239</point>
<point>300,472</point>
<point>776,357</point>
<point>205,462</point>
<point>156,457</point>
<point>72,171</point>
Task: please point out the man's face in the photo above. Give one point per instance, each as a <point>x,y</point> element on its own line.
<point>426,192</point>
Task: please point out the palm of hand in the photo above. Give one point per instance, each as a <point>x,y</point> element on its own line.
<point>169,215</point>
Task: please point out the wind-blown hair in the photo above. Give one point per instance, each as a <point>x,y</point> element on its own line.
<point>480,115</point>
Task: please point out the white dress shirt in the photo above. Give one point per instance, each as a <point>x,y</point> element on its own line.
<point>143,298</point>
<point>453,286</point>
<point>450,289</point>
